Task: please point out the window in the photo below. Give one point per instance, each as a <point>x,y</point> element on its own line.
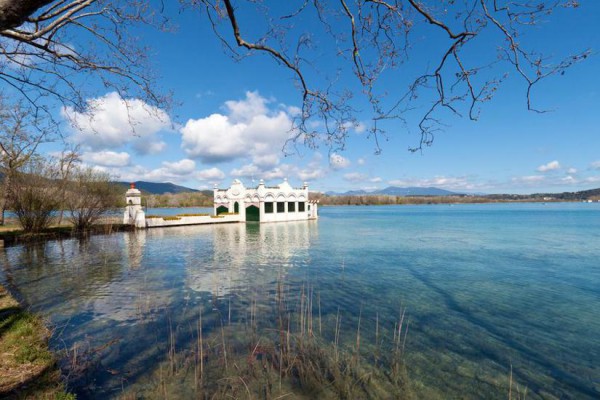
<point>268,207</point>
<point>280,207</point>
<point>301,206</point>
<point>291,206</point>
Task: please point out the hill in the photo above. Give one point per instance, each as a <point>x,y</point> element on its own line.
<point>399,191</point>
<point>161,188</point>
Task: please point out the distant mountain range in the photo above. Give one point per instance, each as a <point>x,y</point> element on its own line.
<point>160,188</point>
<point>168,187</point>
<point>399,191</point>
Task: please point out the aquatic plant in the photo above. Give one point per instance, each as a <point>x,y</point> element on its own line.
<point>285,350</point>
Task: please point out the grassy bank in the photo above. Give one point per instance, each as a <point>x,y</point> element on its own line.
<point>28,369</point>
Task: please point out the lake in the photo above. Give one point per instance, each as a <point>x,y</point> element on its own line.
<point>482,301</point>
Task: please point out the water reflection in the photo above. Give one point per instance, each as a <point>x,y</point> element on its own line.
<point>486,288</point>
<point>247,255</point>
<point>129,289</point>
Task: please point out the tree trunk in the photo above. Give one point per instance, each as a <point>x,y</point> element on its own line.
<point>14,13</point>
<point>4,199</point>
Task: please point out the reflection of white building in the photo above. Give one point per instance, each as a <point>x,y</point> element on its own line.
<point>244,256</point>
<point>265,204</point>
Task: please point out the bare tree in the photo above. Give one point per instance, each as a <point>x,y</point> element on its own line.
<point>472,45</point>
<point>68,163</point>
<point>49,48</point>
<point>90,194</point>
<point>21,133</point>
<point>34,195</point>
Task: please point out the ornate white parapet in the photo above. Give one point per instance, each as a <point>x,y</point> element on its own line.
<point>265,204</point>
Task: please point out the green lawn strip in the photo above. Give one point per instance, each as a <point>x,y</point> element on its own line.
<point>28,369</point>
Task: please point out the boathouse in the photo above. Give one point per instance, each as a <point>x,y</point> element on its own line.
<point>264,203</point>
<point>237,204</point>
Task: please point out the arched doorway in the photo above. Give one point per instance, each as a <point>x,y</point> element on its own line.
<point>252,214</point>
<point>222,209</point>
<point>236,207</point>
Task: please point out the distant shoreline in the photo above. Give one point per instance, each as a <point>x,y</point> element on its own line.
<point>425,200</point>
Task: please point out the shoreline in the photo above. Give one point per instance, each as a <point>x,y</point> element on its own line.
<point>15,236</point>
<point>28,369</point>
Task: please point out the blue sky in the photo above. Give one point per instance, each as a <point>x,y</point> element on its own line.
<point>231,120</point>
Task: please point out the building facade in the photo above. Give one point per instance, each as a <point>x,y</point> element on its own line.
<point>265,204</point>
<point>134,213</point>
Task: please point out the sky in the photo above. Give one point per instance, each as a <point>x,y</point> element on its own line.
<point>231,120</point>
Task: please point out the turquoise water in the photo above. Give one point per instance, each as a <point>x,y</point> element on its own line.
<point>487,289</point>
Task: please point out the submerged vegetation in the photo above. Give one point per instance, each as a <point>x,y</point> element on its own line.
<point>12,233</point>
<point>286,349</point>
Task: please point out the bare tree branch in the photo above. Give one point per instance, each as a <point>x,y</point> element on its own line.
<point>348,58</point>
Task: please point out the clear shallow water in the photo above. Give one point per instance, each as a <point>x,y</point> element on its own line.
<point>486,287</point>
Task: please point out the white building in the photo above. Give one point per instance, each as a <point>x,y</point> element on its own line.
<point>134,214</point>
<point>265,204</point>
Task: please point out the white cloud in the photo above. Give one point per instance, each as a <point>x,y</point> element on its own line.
<point>529,179</point>
<point>247,171</point>
<point>361,161</point>
<point>360,128</point>
<point>292,110</point>
<point>355,177</point>
<point>595,165</point>
<point>111,122</point>
<point>246,110</point>
<point>181,167</point>
<point>107,158</point>
<point>210,174</point>
<point>338,162</point>
<point>569,180</point>
<point>551,166</point>
<point>572,171</point>
<point>148,147</point>
<point>247,130</point>
<point>267,160</point>
<point>445,182</point>
<point>311,172</point>
<point>176,172</point>
<point>252,171</point>
<point>592,179</point>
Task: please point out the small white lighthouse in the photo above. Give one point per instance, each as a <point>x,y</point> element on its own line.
<point>134,215</point>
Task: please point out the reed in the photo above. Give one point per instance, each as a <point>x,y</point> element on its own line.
<point>291,357</point>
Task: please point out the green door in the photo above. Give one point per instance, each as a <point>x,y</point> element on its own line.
<point>252,214</point>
